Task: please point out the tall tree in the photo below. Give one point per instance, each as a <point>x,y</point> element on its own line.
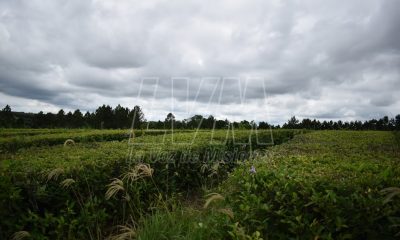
<point>397,122</point>
<point>194,122</point>
<point>170,121</point>
<point>104,117</point>
<point>69,119</point>
<point>136,116</point>
<point>121,117</point>
<point>89,119</point>
<point>6,117</point>
<point>292,123</point>
<point>77,119</point>
<point>222,124</point>
<point>39,120</point>
<point>263,125</point>
<point>244,124</point>
<point>60,118</point>
<point>210,122</point>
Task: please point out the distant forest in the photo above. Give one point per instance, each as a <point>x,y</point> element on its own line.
<point>120,117</point>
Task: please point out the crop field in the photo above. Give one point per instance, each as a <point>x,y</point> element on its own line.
<point>187,184</point>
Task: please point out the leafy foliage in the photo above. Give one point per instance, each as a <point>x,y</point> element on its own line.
<point>322,185</point>
<point>319,185</point>
<point>91,186</point>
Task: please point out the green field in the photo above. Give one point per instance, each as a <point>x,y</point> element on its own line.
<point>243,184</point>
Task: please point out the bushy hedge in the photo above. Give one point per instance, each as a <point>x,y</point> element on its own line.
<point>59,192</point>
<point>322,185</point>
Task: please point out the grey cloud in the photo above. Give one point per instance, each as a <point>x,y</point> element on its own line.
<point>383,100</point>
<point>345,55</point>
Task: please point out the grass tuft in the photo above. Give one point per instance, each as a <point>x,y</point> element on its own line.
<point>125,233</point>
<point>227,211</point>
<point>390,192</point>
<point>114,187</point>
<point>212,197</point>
<point>20,235</point>
<point>69,142</point>
<point>54,174</point>
<point>67,183</point>
<point>139,171</point>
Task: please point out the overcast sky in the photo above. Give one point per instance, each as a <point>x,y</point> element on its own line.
<point>260,60</point>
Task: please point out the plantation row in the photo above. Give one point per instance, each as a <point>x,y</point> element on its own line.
<point>49,157</point>
<point>11,132</point>
<point>321,185</point>
<point>79,191</point>
<point>13,140</point>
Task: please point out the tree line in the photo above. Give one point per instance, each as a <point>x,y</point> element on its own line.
<point>384,124</point>
<point>103,117</point>
<point>106,117</point>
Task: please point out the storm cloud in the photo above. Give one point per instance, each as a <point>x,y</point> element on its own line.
<point>260,60</point>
